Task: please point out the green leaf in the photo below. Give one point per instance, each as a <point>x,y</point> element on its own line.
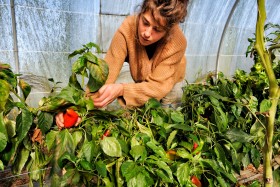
<point>138,181</point>
<point>66,157</point>
<point>219,151</point>
<point>73,82</point>
<point>163,176</point>
<point>222,182</point>
<point>70,178</point>
<point>3,126</point>
<point>255,156</point>
<point>265,105</point>
<point>53,104</point>
<point>130,170</point>
<point>91,44</point>
<point>64,143</point>
<point>162,165</point>
<point>144,129</point>
<point>107,182</point>
<point>171,138</point>
<point>183,173</point>
<point>220,119</point>
<point>86,165</point>
<point>152,103</point>
<point>76,52</point>
<point>25,88</point>
<point>9,76</point>
<point>3,141</point>
<point>4,94</point>
<point>111,147</point>
<point>20,161</point>
<point>87,151</point>
<point>238,135</point>
<point>10,127</point>
<point>276,177</point>
<point>101,168</point>
<point>50,139</point>
<point>78,67</point>
<point>138,151</point>
<point>183,153</point>
<point>1,165</point>
<point>157,149</point>
<point>98,74</point>
<point>177,117</point>
<point>77,137</point>
<point>211,164</point>
<point>71,94</point>
<point>45,121</point>
<point>24,121</point>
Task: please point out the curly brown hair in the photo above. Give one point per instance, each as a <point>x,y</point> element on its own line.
<point>172,11</point>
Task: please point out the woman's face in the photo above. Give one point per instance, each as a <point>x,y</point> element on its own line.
<point>149,31</point>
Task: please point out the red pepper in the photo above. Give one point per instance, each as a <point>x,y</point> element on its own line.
<point>195,145</point>
<point>196,181</point>
<point>70,118</point>
<point>106,134</point>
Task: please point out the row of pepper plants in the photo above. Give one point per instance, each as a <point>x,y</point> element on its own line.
<point>218,131</point>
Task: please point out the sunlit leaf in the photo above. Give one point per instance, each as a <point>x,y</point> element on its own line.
<point>171,138</point>
<point>138,151</point>
<point>183,173</point>
<point>3,141</point>
<point>238,135</point>
<point>4,94</point>
<point>177,117</point>
<point>157,149</point>
<point>144,129</point>
<point>111,147</point>
<point>25,88</point>
<point>265,105</point>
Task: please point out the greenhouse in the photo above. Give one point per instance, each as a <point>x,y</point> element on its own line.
<point>140,93</point>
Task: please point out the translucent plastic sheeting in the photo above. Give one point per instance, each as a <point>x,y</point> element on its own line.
<point>48,30</point>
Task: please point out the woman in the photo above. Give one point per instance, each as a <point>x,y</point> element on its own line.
<point>154,46</point>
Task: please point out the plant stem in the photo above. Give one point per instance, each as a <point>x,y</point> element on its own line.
<point>274,93</point>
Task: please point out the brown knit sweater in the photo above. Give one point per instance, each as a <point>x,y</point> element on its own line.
<point>155,77</point>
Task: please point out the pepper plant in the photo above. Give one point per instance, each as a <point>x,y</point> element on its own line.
<point>265,54</point>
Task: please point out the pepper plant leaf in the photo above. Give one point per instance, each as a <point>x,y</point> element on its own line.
<point>4,94</point>
<point>25,88</point>
<point>98,74</point>
<point>183,173</point>
<point>111,147</point>
<point>45,121</point>
<point>24,121</point>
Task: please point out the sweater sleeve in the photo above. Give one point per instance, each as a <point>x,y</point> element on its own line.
<point>161,80</point>
<point>115,56</point>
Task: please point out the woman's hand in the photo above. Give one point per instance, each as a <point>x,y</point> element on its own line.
<point>60,120</point>
<point>107,94</point>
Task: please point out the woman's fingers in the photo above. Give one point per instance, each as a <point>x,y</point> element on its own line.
<point>59,120</point>
<point>78,121</point>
